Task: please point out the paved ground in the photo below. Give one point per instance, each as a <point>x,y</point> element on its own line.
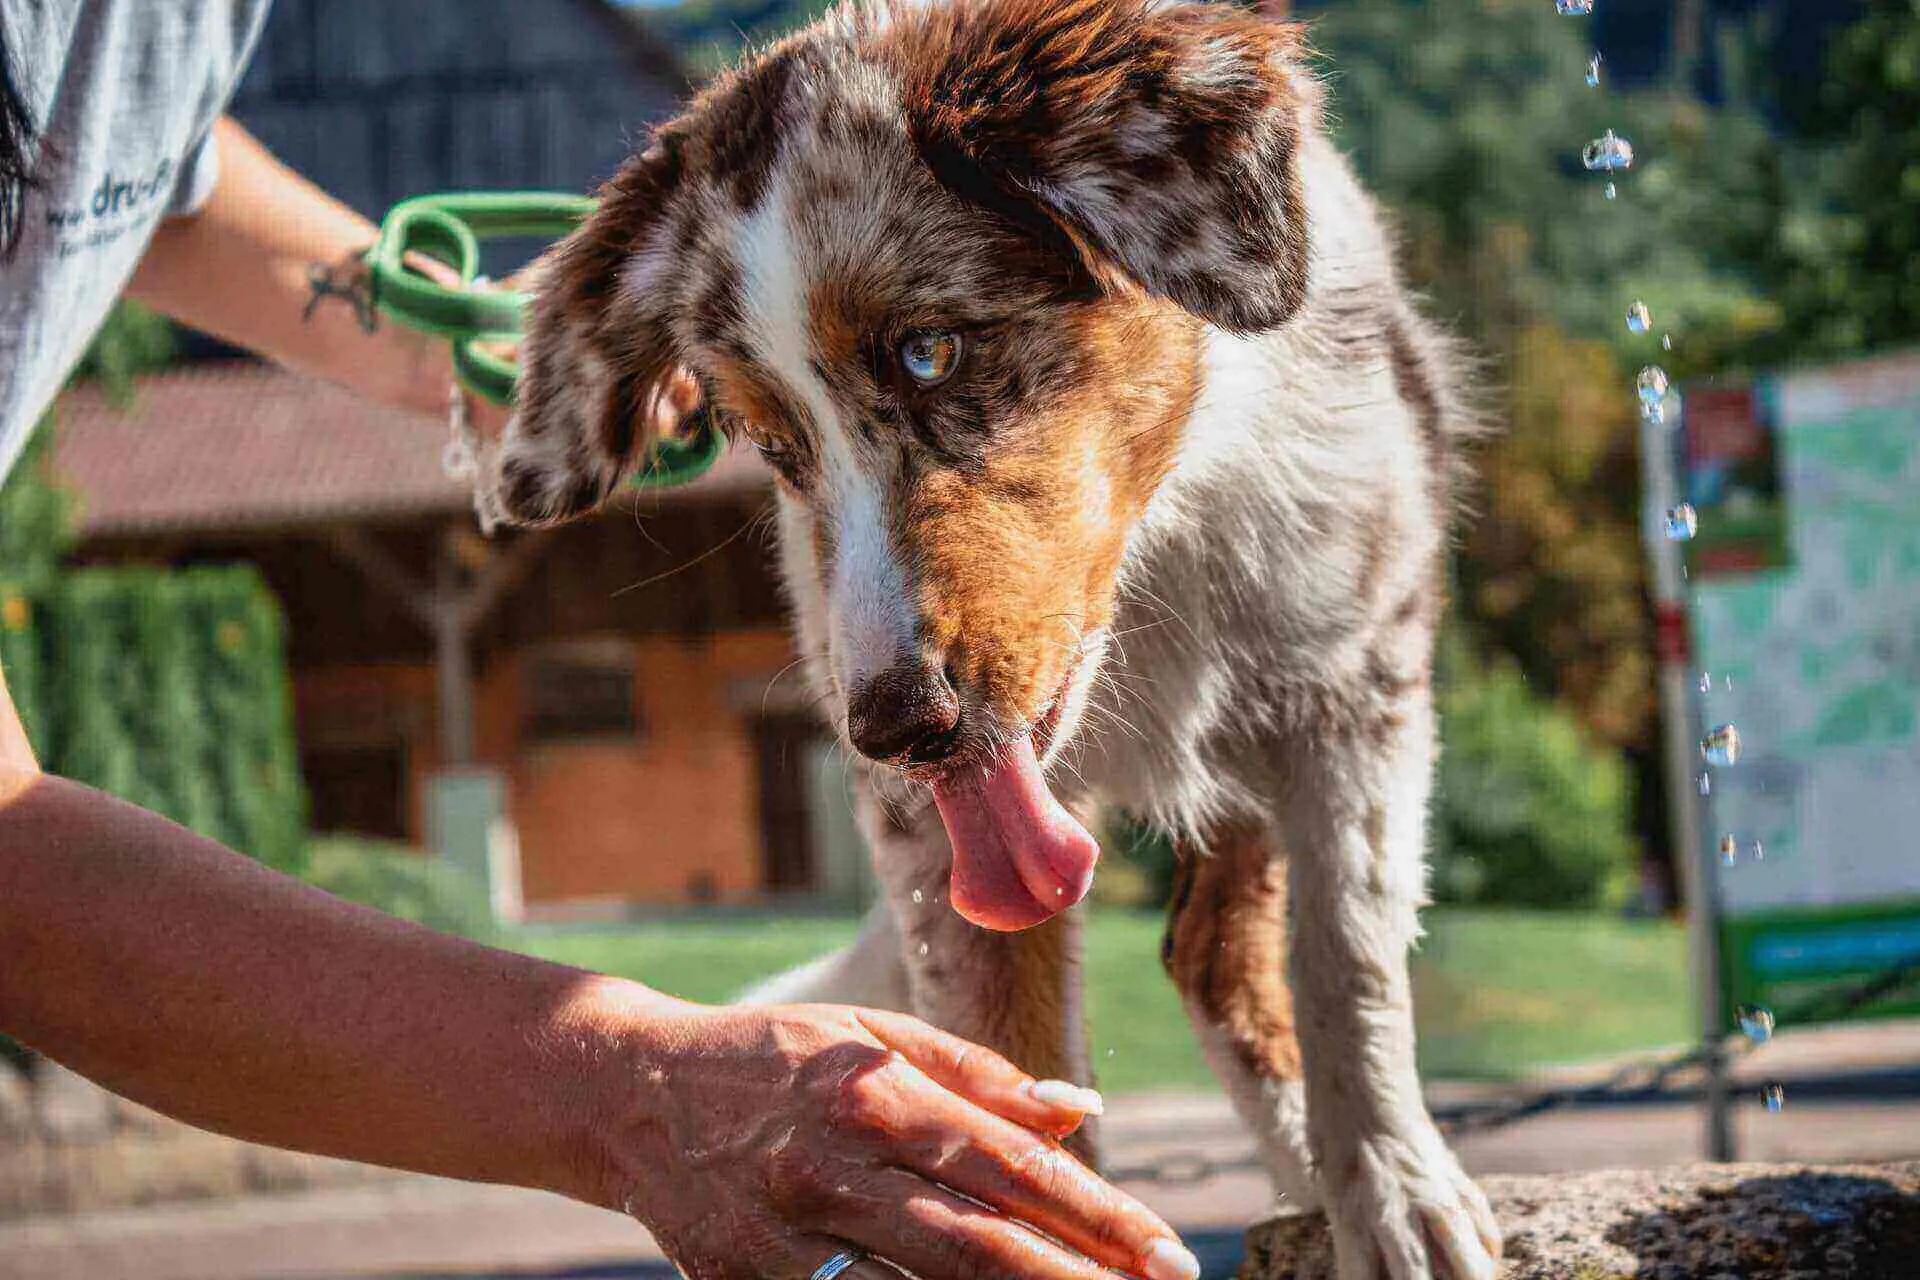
<point>1852,1094</point>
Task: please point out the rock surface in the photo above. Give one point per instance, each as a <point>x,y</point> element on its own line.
<point>1705,1222</point>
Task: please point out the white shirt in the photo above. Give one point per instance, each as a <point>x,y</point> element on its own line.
<point>124,94</point>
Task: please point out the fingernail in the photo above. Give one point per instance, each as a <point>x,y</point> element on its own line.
<point>1068,1097</point>
<point>1169,1260</point>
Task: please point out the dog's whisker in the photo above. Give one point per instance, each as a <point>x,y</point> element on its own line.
<point>708,554</point>
<point>777,676</point>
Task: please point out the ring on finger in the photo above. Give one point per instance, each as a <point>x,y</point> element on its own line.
<point>839,1264</point>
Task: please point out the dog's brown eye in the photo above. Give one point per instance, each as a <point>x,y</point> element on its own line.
<point>930,358</point>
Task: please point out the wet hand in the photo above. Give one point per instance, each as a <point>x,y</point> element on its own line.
<point>759,1142</point>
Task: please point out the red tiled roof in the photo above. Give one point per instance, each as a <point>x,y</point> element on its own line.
<point>243,445</point>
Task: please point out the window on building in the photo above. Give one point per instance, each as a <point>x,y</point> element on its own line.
<point>581,695</point>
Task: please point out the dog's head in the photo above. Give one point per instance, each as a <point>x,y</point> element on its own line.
<point>948,267</point>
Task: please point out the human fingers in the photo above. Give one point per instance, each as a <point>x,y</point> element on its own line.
<point>982,1076</point>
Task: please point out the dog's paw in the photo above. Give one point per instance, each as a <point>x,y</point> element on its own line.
<point>1406,1211</point>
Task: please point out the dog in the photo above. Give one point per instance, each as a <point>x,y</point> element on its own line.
<point>1114,467</point>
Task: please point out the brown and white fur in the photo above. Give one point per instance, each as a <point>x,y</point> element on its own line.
<point>1181,513</point>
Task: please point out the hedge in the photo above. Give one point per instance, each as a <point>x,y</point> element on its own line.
<point>168,688</point>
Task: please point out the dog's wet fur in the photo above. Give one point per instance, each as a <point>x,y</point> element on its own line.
<point>1181,509</point>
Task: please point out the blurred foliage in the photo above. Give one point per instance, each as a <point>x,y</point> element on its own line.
<point>165,687</point>
<point>37,513</point>
<point>134,340</point>
<point>1848,270</point>
<point>168,688</point>
<point>1529,811</point>
<point>36,516</point>
<point>401,881</point>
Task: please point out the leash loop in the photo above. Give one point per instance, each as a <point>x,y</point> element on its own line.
<point>448,228</point>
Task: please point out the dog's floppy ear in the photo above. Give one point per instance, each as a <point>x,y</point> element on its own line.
<point>598,355</point>
<point>1161,138</point>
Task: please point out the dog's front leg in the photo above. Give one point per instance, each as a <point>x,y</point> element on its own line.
<point>1225,948</point>
<point>1015,993</point>
<point>1396,1198</point>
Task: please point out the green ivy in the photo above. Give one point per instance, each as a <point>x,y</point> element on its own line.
<point>167,688</point>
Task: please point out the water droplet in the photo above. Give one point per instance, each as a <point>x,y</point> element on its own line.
<point>1109,1053</point>
<point>1639,317</point>
<point>1666,342</point>
<point>1574,8</point>
<point>1706,687</point>
<point>924,948</point>
<point>1593,72</point>
<point>1651,384</point>
<point>1775,1096</point>
<point>919,896</point>
<point>1607,153</point>
<point>1059,892</point>
<point>1759,852</point>
<point>1706,783</point>
<point>1682,523</point>
<point>1722,746</point>
<point>1729,850</point>
<point>1612,191</point>
<point>1756,1022</point>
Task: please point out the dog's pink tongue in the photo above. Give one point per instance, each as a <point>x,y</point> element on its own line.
<point>1018,856</point>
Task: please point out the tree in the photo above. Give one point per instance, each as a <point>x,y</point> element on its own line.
<point>1849,266</point>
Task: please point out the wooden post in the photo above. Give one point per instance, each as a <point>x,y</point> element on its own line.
<point>452,664</point>
<point>451,608</point>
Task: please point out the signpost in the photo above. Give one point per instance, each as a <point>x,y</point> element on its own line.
<point>1801,596</point>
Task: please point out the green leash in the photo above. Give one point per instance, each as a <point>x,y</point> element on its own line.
<point>448,229</point>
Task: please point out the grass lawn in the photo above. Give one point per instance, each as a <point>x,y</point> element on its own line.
<point>1498,991</point>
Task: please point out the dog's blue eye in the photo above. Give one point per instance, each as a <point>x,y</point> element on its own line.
<point>930,358</point>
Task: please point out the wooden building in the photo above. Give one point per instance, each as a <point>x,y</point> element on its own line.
<point>627,681</point>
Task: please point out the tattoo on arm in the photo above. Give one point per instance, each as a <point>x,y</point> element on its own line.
<point>349,279</point>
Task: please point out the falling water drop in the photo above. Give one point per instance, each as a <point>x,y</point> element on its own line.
<point>1666,342</point>
<point>919,897</point>
<point>1607,153</point>
<point>1775,1096</point>
<point>1756,1022</point>
<point>1729,850</point>
<point>1612,191</point>
<point>1706,783</point>
<point>924,948</point>
<point>1651,383</point>
<point>1682,523</point>
<point>1706,687</point>
<point>1639,317</point>
<point>1574,8</point>
<point>1109,1053</point>
<point>1722,746</point>
<point>1759,852</point>
<point>1593,72</point>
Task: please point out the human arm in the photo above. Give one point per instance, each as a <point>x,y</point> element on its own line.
<point>240,269</point>
<point>210,988</point>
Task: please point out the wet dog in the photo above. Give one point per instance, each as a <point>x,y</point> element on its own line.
<point>1114,468</point>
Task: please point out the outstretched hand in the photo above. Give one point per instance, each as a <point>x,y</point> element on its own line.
<point>759,1142</point>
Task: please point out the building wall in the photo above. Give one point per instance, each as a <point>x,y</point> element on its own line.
<point>671,815</point>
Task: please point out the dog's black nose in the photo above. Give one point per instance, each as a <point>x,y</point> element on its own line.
<point>909,714</point>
